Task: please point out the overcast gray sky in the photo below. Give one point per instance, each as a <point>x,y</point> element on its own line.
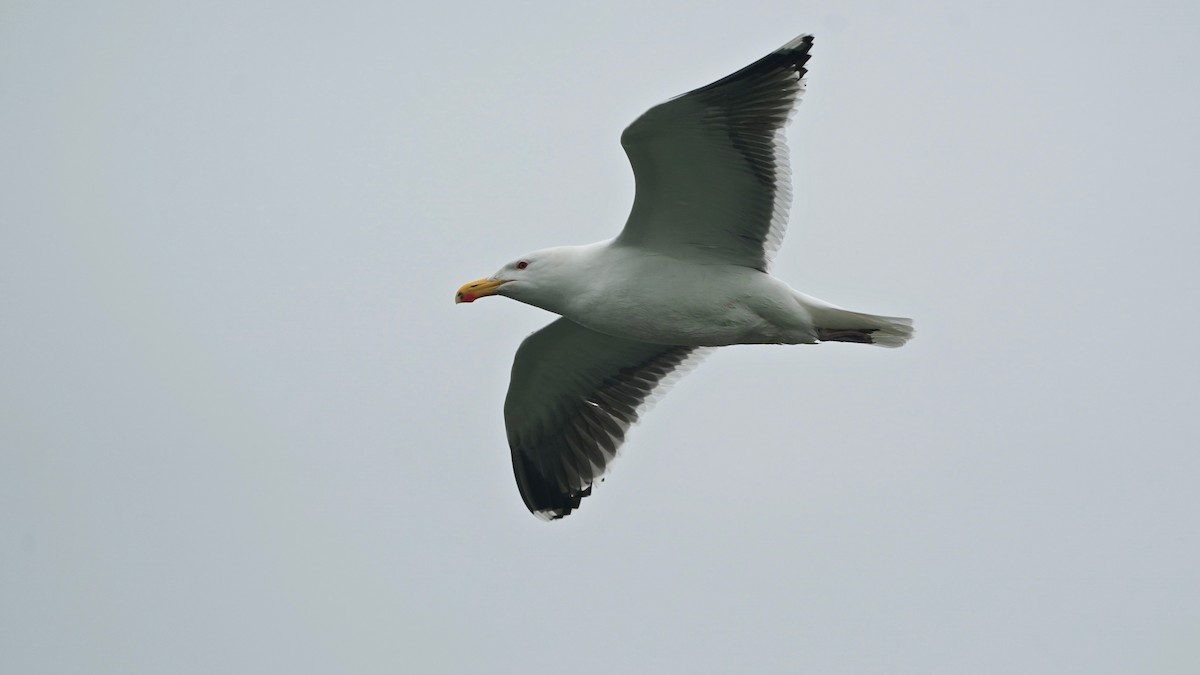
<point>245,429</point>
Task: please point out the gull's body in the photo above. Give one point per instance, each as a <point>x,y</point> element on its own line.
<point>603,288</point>
<point>688,271</point>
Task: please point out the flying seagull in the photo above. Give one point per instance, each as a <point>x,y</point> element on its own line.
<point>688,272</point>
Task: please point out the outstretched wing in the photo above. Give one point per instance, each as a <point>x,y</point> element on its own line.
<point>573,395</point>
<point>711,166</point>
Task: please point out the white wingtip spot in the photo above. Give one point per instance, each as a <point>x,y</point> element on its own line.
<point>795,42</point>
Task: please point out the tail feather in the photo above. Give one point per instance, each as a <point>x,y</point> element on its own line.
<point>884,331</point>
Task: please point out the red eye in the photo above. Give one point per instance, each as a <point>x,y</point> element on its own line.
<point>522,265</point>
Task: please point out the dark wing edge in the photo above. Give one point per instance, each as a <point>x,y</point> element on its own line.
<point>751,109</point>
<point>766,94</point>
<point>573,396</point>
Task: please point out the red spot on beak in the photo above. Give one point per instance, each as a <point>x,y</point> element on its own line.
<point>477,289</point>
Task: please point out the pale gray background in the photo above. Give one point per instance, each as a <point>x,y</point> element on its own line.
<point>246,430</point>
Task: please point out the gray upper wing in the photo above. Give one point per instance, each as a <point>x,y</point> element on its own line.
<point>573,395</point>
<point>711,166</point>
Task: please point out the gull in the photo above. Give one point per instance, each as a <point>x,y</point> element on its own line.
<point>689,272</point>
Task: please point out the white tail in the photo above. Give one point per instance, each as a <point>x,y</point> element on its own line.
<point>840,325</point>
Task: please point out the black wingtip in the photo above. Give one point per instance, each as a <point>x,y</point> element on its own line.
<point>791,58</point>
<point>543,498</point>
<point>801,43</point>
<point>797,51</point>
<point>563,506</point>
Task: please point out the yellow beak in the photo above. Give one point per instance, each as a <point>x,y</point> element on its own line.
<point>478,289</point>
